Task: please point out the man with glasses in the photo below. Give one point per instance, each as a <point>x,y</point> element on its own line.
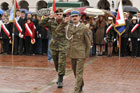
<point>79,47</point>
<point>58,43</point>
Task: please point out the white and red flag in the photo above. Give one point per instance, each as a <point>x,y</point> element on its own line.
<point>120,20</point>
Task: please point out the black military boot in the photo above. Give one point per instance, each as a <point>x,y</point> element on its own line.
<point>60,81</point>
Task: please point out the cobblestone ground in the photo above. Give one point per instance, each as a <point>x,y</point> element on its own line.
<point>33,74</point>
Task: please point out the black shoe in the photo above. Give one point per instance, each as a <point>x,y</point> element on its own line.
<point>81,88</point>
<point>59,84</point>
<point>60,81</point>
<point>15,53</point>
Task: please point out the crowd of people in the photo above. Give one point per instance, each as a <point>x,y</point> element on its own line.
<point>104,38</point>
<point>74,35</point>
<point>29,37</point>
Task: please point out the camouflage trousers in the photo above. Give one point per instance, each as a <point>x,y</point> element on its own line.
<point>59,58</point>
<point>78,67</point>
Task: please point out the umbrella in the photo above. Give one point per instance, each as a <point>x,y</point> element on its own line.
<point>43,11</point>
<point>1,11</point>
<point>130,9</point>
<point>93,11</point>
<point>68,10</point>
<point>90,11</point>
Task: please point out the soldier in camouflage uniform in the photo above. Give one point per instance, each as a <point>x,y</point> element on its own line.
<point>79,47</point>
<point>58,43</point>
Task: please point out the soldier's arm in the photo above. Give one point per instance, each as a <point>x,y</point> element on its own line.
<point>87,41</point>
<point>45,22</point>
<point>61,26</point>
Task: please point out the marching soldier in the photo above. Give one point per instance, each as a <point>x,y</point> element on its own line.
<point>79,47</point>
<point>18,34</point>
<point>58,43</point>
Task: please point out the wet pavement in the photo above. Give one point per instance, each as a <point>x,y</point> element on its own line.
<point>33,74</point>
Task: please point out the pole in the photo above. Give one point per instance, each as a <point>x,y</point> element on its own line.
<point>13,27</point>
<point>119,46</point>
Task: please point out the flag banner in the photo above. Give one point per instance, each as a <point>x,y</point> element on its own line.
<point>11,17</point>
<point>15,7</point>
<point>120,21</point>
<point>54,6</point>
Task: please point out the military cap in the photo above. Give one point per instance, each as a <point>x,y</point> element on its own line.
<point>73,13</point>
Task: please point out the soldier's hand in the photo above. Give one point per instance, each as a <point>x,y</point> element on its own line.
<point>52,16</point>
<point>66,19</point>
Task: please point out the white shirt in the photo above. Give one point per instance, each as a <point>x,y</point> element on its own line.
<point>76,24</point>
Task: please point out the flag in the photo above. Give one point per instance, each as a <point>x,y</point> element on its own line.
<point>13,10</point>
<point>120,21</point>
<point>54,6</point>
<point>17,6</point>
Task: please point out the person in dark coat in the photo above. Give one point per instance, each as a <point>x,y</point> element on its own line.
<point>134,32</point>
<point>125,49</point>
<point>109,36</point>
<point>138,20</point>
<point>35,21</point>
<point>18,36</point>
<point>7,39</point>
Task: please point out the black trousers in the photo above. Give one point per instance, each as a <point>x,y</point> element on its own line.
<point>134,46</point>
<point>6,46</point>
<point>44,45</point>
<point>139,48</point>
<point>124,46</point>
<point>28,45</point>
<point>18,45</point>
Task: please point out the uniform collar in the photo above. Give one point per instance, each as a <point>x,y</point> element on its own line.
<point>76,24</point>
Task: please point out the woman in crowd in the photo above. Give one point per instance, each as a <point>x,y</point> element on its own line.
<point>109,36</point>
<point>99,36</point>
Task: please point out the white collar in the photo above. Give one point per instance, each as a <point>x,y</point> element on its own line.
<point>77,24</point>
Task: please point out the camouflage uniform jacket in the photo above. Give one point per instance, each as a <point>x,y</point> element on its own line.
<point>59,41</point>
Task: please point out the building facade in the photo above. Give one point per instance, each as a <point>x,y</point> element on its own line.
<point>34,5</point>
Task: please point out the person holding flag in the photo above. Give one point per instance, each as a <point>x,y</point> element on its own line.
<point>120,24</point>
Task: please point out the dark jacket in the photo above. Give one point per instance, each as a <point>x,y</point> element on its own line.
<point>136,33</point>
<point>21,22</point>
<point>126,33</point>
<point>9,27</point>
